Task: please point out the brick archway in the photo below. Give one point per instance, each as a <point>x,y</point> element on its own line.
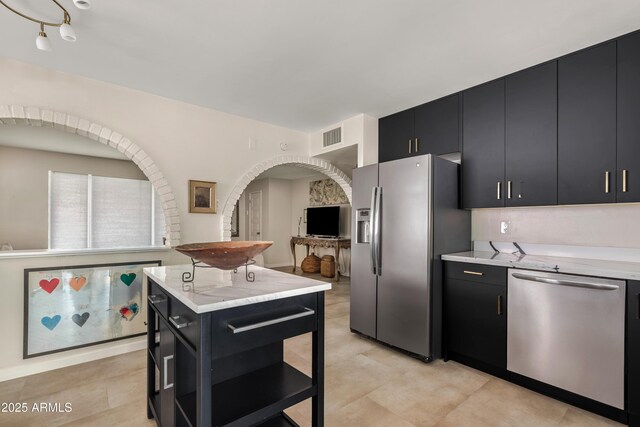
<point>34,116</point>
<point>319,165</point>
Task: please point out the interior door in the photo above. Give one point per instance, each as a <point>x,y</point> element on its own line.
<point>404,293</point>
<point>255,215</point>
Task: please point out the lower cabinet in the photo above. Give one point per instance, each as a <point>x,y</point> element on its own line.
<point>633,352</point>
<point>475,315</point>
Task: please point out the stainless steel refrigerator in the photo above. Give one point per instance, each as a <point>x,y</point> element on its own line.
<point>405,215</point>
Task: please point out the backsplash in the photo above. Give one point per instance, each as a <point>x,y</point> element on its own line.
<point>612,225</point>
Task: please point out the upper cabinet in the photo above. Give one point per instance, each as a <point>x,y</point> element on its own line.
<point>395,136</point>
<point>431,128</point>
<point>628,148</point>
<point>587,126</point>
<point>563,132</point>
<point>531,141</point>
<point>437,126</point>
<point>483,146</point>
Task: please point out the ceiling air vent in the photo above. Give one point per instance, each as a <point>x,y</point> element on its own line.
<point>332,137</point>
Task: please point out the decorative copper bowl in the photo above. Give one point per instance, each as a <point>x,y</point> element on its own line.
<point>224,255</point>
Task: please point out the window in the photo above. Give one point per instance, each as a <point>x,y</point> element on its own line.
<point>87,211</point>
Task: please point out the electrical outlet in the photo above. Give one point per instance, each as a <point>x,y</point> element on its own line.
<point>504,227</point>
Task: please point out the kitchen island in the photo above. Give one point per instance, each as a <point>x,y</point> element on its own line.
<point>216,346</point>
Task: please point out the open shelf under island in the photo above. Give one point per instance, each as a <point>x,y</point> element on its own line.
<point>215,346</point>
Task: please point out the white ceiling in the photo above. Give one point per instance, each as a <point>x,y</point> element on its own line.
<point>305,64</point>
<point>51,139</point>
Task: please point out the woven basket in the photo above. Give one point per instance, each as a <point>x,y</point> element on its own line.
<point>311,264</point>
<point>327,266</point>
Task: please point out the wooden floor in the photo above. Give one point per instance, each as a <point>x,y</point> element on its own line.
<point>367,384</point>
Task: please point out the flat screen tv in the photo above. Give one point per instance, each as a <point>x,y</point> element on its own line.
<point>323,221</point>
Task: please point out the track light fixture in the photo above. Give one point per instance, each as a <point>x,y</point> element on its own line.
<point>66,30</point>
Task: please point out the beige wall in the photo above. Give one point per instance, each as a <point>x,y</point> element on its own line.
<point>615,225</point>
<point>185,141</point>
<point>24,189</point>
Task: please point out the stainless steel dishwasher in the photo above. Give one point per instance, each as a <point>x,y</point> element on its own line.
<point>568,331</point>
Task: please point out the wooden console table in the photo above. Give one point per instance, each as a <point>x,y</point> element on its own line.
<point>319,242</point>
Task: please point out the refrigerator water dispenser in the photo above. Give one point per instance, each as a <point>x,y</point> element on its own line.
<point>363,225</point>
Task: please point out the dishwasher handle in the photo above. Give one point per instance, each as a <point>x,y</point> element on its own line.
<point>549,281</point>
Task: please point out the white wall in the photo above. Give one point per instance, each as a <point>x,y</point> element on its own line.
<point>24,189</point>
<point>185,141</point>
<point>276,218</point>
<point>615,225</point>
<point>361,130</point>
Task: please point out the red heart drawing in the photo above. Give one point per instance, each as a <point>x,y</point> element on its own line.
<point>126,313</point>
<point>77,282</point>
<point>49,285</point>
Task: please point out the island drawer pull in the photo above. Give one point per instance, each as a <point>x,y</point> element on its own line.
<point>474,273</point>
<point>165,361</point>
<point>240,329</point>
<point>155,299</point>
<point>179,321</point>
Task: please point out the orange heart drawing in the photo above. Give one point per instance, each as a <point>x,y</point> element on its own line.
<point>77,282</point>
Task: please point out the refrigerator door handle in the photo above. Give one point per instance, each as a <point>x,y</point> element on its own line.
<point>378,234</point>
<point>374,192</point>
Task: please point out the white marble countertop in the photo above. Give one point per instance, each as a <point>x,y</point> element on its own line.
<point>568,265</point>
<point>215,289</point>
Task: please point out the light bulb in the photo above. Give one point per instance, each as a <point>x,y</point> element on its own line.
<point>67,32</point>
<point>42,42</point>
<point>82,4</point>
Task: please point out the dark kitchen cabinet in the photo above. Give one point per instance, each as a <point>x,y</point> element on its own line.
<point>431,128</point>
<point>396,136</point>
<point>437,126</point>
<point>475,315</point>
<point>633,352</point>
<point>628,147</point>
<point>587,126</point>
<point>531,142</point>
<point>483,133</point>
<point>161,350</point>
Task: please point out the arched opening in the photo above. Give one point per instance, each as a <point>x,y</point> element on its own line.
<point>34,116</point>
<point>319,165</point>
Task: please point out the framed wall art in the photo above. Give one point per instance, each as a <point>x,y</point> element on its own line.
<point>79,306</point>
<point>202,197</point>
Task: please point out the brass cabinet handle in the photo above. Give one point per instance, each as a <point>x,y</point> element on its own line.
<point>606,181</point>
<point>499,305</point>
<point>508,189</point>
<point>417,145</point>
<point>625,174</point>
<point>409,146</point>
<point>499,190</point>
<point>474,273</point>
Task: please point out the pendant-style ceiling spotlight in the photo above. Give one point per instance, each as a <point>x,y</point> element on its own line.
<point>66,30</point>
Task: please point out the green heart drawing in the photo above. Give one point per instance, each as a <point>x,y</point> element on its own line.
<point>128,279</point>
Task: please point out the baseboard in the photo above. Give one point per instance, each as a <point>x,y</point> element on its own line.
<point>62,360</point>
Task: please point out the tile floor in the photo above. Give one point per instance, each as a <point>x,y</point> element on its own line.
<point>367,384</point>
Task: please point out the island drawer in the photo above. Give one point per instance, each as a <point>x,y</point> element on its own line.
<point>158,299</point>
<point>185,321</point>
<point>476,272</point>
<point>242,328</point>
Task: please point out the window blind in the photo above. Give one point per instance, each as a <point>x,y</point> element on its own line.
<point>103,212</point>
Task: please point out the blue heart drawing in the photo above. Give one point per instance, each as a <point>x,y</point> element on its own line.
<point>50,322</point>
<point>80,320</point>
